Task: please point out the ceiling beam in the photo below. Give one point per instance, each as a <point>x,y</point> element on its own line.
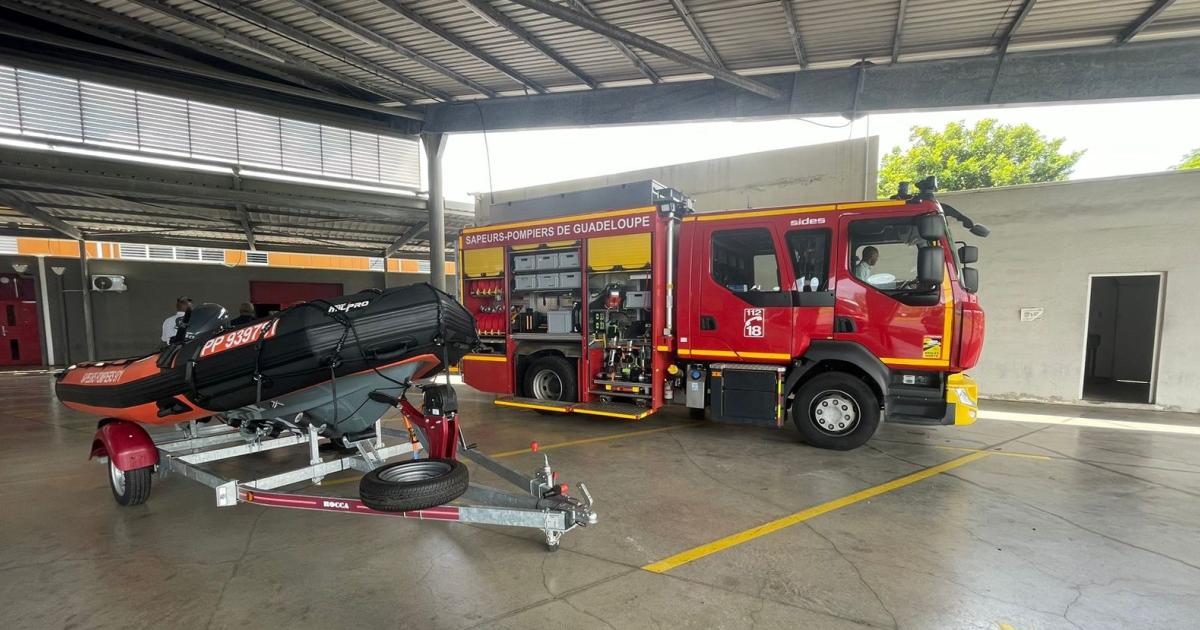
<point>194,69</point>
<point>697,32</point>
<point>495,16</point>
<point>1143,21</point>
<point>270,52</point>
<point>638,62</point>
<point>90,176</point>
<point>266,22</point>
<point>898,33</point>
<point>366,35</point>
<point>1026,8</point>
<point>793,25</point>
<point>405,238</point>
<point>606,29</point>
<point>248,229</point>
<point>454,40</point>
<point>37,214</point>
<point>138,28</point>
<point>1140,71</point>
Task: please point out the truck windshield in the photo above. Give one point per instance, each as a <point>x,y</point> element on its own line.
<point>883,255</point>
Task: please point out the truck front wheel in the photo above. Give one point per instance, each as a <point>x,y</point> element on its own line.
<point>836,410</point>
<point>551,378</point>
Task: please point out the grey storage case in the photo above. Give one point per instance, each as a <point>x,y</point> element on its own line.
<point>569,280</point>
<point>547,281</point>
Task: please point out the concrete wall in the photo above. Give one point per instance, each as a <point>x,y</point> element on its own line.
<point>129,323</point>
<point>1046,239</point>
<point>836,171</point>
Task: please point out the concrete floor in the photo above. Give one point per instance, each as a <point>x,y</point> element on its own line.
<point>1072,521</point>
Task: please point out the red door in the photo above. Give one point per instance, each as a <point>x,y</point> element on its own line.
<point>880,302</point>
<point>20,332</point>
<point>281,295</point>
<point>741,306</point>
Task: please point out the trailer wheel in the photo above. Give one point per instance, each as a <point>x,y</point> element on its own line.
<point>836,410</point>
<point>550,378</point>
<point>129,487</point>
<point>415,484</point>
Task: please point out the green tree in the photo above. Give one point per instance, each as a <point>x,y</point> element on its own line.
<point>987,155</point>
<point>1191,160</point>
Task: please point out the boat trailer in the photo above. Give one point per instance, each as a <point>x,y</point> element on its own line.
<point>542,503</point>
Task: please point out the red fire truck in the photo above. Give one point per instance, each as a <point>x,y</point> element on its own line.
<point>617,301</point>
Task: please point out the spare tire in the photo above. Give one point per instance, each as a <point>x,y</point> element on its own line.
<point>415,484</point>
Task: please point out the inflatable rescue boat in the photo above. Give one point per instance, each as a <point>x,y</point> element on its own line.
<point>314,364</point>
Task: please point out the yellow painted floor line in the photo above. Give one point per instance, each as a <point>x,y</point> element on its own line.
<point>1005,453</point>
<point>604,438</point>
<point>679,559</point>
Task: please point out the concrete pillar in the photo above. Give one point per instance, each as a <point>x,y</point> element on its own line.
<point>44,304</point>
<point>85,294</point>
<point>435,143</point>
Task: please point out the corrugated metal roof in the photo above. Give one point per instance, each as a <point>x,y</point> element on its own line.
<point>169,222</point>
<point>748,35</point>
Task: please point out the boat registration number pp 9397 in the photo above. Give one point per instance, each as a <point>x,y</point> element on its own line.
<point>238,338</point>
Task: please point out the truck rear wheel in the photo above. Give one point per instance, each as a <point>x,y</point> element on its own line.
<point>836,410</point>
<point>551,378</point>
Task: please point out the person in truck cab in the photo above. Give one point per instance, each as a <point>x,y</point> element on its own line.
<point>863,269</point>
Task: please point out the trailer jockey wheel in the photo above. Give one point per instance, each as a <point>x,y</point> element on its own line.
<point>415,484</point>
<point>550,378</point>
<point>129,487</point>
<point>836,410</point>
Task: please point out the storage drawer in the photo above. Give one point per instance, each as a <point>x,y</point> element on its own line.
<point>568,260</point>
<point>569,280</point>
<point>526,282</point>
<point>524,263</point>
<point>547,261</point>
<point>547,281</point>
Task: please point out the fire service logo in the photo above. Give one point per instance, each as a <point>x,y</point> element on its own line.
<point>755,323</point>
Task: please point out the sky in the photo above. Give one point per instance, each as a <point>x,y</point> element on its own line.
<point>1120,139</point>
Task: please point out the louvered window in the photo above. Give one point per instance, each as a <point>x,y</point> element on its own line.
<point>8,245</point>
<point>134,251</point>
<point>51,106</point>
<point>10,113</point>
<point>256,258</point>
<point>109,115</point>
<point>163,124</point>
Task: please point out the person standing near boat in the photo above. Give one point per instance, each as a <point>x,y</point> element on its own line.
<point>170,325</point>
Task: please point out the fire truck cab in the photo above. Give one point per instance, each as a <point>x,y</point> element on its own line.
<point>618,301</point>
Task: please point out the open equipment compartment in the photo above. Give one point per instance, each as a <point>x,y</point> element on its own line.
<point>586,294</point>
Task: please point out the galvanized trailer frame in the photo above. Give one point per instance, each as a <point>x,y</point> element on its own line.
<point>543,503</point>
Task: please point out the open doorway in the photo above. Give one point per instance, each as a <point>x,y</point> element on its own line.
<point>1122,338</point>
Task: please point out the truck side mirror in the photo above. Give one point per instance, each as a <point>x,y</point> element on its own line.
<point>931,265</point>
<point>970,279</point>
<point>968,254</point>
<point>931,227</point>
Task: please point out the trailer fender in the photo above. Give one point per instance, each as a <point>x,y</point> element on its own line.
<point>125,443</point>
<point>825,351</point>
